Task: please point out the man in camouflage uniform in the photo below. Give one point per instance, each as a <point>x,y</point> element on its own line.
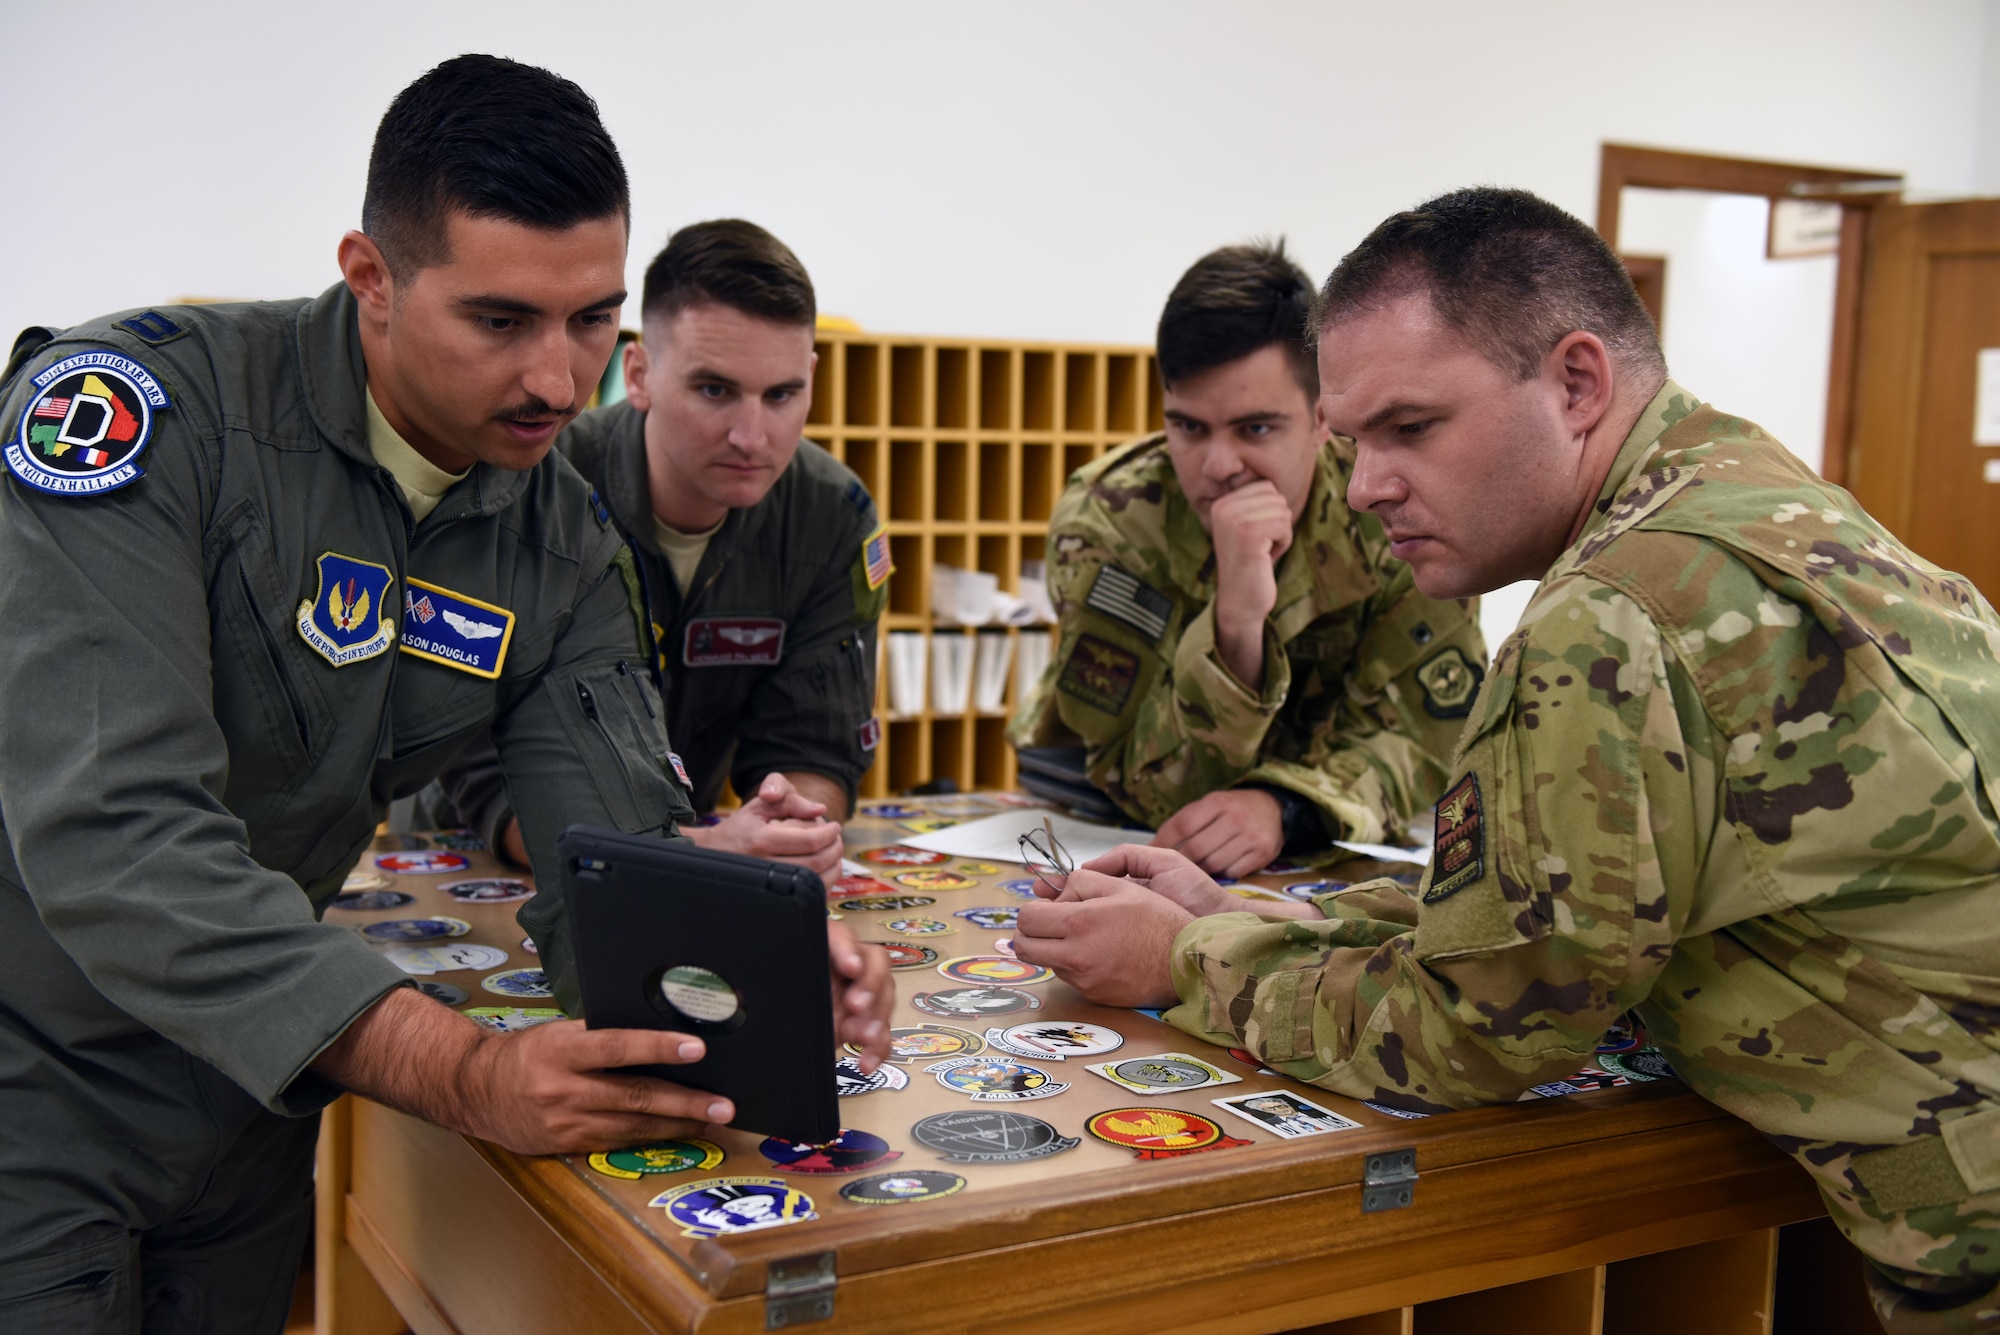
<point>1246,666</point>
<point>1735,769</point>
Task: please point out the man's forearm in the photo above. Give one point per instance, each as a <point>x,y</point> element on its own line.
<point>412,1054</point>
<point>818,788</point>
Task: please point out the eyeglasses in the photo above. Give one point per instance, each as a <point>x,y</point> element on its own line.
<point>1048,861</point>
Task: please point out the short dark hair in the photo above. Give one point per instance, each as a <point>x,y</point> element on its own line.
<point>1231,303</point>
<point>732,263</point>
<point>1507,269</point>
<point>492,138</point>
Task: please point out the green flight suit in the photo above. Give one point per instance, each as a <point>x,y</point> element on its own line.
<point>1737,769</point>
<point>186,775</point>
<point>769,658</point>
<point>1366,681</point>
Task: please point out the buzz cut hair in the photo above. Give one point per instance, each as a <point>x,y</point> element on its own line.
<point>1233,302</point>
<point>490,138</point>
<point>733,263</point>
<point>1506,269</point>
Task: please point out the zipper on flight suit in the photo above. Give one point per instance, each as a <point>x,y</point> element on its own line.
<point>299,720</point>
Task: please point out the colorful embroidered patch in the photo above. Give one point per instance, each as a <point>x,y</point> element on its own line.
<point>871,734</point>
<point>347,620</point>
<point>89,419</point>
<point>848,1152</point>
<point>733,642</point>
<point>1100,674</point>
<point>1124,599</point>
<point>1160,1133</point>
<point>455,630</point>
<point>660,1156</point>
<point>1458,856</point>
<point>721,1205</point>
<point>875,556</point>
<point>680,769</point>
<point>921,1184</point>
<point>1450,681</point>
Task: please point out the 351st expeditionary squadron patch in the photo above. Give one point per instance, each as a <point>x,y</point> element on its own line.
<point>1458,856</point>
<point>348,619</point>
<point>90,418</point>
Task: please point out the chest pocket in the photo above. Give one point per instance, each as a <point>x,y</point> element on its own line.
<point>266,696</point>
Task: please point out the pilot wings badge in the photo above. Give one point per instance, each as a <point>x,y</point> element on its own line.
<point>342,621</point>
<point>733,642</point>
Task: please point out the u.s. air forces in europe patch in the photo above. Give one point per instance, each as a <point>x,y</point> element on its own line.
<point>348,619</point>
<point>1100,674</point>
<point>1458,855</point>
<point>89,419</point>
<point>1450,681</point>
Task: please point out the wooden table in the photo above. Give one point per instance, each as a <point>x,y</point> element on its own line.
<point>1634,1209</point>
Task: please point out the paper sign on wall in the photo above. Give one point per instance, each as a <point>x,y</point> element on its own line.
<point>1802,227</point>
<point>1986,406</point>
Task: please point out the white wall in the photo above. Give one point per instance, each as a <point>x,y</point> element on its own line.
<point>1018,168</point>
<point>1030,168</point>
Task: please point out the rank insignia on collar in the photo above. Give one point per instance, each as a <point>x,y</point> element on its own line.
<point>733,642</point>
<point>1458,856</point>
<point>455,630</point>
<point>90,417</point>
<point>346,622</point>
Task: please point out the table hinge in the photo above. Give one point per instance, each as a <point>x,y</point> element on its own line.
<point>799,1289</point>
<point>1388,1181</point>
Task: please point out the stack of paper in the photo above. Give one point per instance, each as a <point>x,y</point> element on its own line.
<point>1031,660</point>
<point>1035,592</point>
<point>951,672</point>
<point>906,673</point>
<point>989,671</point>
<point>974,598</point>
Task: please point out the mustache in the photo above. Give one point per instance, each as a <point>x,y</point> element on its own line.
<point>533,410</point>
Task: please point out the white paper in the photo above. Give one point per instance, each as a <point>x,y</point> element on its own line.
<point>1986,408</point>
<point>993,657</point>
<point>1386,852</point>
<point>951,672</point>
<point>998,838</point>
<point>906,673</point>
<point>1031,661</point>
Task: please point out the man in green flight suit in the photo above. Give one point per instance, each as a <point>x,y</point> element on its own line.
<point>762,553</point>
<point>1247,667</point>
<point>1736,768</point>
<point>268,567</point>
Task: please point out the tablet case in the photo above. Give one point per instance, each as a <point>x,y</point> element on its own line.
<point>729,948</point>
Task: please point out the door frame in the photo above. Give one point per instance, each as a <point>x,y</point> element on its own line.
<point>1856,190</point>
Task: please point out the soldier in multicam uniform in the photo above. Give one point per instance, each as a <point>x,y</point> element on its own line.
<point>1736,769</point>
<point>1246,666</point>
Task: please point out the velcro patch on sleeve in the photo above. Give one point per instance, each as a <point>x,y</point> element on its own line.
<point>1124,599</point>
<point>875,556</point>
<point>1450,681</point>
<point>89,418</point>
<point>1458,854</point>
<point>1100,674</point>
<point>733,642</point>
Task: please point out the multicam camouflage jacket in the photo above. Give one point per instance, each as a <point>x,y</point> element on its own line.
<point>1736,769</point>
<point>1366,681</point>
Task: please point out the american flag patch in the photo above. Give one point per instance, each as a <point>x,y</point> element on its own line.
<point>52,407</point>
<point>1123,598</point>
<point>875,556</point>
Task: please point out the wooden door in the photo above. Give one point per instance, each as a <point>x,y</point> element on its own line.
<point>1930,302</point>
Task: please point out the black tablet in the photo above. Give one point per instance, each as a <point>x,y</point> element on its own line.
<point>729,948</point>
